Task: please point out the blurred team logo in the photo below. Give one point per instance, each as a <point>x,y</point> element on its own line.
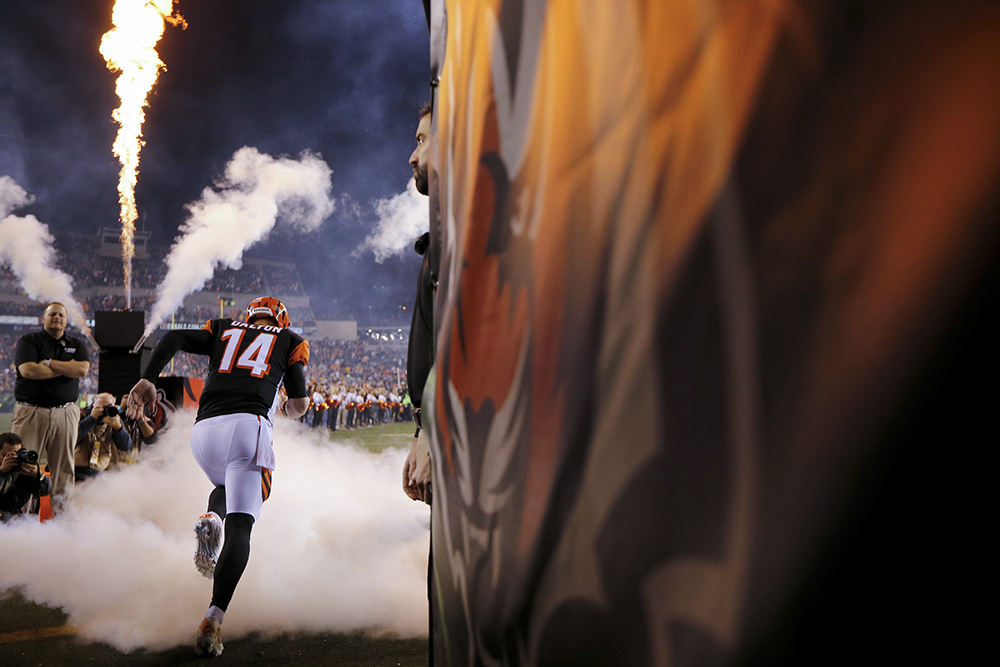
<point>270,307</point>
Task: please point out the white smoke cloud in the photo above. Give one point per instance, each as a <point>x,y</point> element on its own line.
<point>26,245</point>
<point>337,548</point>
<point>12,195</point>
<point>256,192</point>
<point>401,220</point>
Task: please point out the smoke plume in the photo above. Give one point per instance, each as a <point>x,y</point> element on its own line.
<point>337,548</point>
<point>256,192</point>
<point>26,245</point>
<point>401,220</point>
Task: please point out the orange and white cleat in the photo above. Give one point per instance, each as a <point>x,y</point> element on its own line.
<point>208,641</point>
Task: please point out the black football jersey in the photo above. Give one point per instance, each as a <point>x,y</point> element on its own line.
<point>246,366</point>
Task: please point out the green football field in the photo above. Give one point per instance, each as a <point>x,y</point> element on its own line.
<point>377,438</point>
<point>372,438</point>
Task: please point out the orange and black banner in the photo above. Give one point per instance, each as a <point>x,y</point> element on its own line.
<point>710,283</point>
<point>192,391</point>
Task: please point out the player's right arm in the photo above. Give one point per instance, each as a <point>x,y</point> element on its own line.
<point>195,341</point>
<point>28,363</point>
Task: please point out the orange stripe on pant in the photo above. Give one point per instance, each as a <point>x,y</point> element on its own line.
<point>265,482</point>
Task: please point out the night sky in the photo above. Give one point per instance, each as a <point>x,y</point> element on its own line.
<point>341,78</point>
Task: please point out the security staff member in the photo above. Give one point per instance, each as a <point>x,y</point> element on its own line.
<point>49,365</point>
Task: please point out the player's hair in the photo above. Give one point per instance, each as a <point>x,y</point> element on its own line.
<point>426,109</point>
<point>10,439</point>
<point>54,303</point>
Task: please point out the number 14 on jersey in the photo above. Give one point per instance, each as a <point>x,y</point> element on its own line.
<point>255,358</point>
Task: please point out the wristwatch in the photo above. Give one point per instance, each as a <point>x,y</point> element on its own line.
<point>47,363</point>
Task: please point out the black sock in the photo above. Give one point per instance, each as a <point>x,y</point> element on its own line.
<point>217,501</point>
<point>233,559</point>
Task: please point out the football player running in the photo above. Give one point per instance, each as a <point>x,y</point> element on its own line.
<point>231,438</point>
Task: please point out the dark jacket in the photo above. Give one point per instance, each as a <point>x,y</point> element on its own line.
<point>420,353</point>
<point>16,489</point>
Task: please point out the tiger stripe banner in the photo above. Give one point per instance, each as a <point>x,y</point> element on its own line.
<point>700,266</point>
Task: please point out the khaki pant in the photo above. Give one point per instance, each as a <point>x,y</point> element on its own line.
<point>52,433</point>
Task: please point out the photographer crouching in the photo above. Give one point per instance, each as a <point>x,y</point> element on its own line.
<point>142,430</point>
<point>21,481</point>
<point>100,438</point>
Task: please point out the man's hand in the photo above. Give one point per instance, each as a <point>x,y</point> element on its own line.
<point>37,370</point>
<point>29,469</point>
<point>421,477</point>
<point>8,461</point>
<point>296,407</point>
<point>417,471</point>
<point>142,394</point>
<point>408,467</point>
<point>115,422</point>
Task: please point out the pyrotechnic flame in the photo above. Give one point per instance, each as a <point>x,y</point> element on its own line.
<point>130,48</point>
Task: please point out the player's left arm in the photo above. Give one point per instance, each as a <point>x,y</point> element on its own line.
<point>295,387</point>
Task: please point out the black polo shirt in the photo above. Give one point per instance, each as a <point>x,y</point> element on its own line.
<point>55,391</point>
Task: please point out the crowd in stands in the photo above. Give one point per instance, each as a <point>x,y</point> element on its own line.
<point>256,277</point>
<point>15,308</point>
<point>108,271</point>
<point>90,305</point>
<point>116,302</point>
<point>228,280</point>
<point>279,279</point>
<point>7,376</point>
<point>78,256</point>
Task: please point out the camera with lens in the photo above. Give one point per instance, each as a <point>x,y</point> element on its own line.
<point>111,411</point>
<point>27,456</point>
